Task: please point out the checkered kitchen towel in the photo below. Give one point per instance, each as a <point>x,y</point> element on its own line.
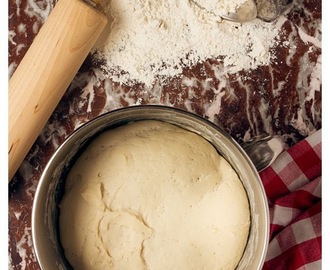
<point>293,187</point>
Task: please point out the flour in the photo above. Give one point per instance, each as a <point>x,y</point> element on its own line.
<point>219,7</point>
<point>150,40</point>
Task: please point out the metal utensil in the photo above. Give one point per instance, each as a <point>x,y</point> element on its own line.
<point>269,10</point>
<point>265,10</point>
<point>50,189</point>
<point>263,149</point>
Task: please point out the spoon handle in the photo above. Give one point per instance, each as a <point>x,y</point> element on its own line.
<point>263,150</point>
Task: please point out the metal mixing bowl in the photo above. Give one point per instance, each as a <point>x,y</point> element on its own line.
<point>45,212</point>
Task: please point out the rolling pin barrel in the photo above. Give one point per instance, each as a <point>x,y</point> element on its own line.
<point>47,70</point>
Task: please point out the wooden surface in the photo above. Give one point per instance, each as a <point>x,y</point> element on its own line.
<point>283,98</point>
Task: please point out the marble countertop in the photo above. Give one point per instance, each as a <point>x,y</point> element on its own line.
<point>282,98</point>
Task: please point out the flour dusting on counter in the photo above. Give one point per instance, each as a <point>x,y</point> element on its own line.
<point>217,8</point>
<point>150,40</point>
<point>22,245</point>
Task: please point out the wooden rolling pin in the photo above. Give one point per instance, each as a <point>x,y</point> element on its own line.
<point>47,70</point>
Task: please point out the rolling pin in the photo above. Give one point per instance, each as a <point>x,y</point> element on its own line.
<point>46,71</point>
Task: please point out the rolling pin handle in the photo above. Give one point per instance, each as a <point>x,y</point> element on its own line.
<point>46,71</point>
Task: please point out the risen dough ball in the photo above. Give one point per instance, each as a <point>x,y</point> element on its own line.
<point>150,195</point>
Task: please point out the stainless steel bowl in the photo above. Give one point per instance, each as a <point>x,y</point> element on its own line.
<point>45,212</point>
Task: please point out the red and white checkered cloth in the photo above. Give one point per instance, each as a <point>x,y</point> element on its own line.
<point>293,188</point>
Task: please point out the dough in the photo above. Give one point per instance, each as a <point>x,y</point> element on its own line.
<point>150,195</point>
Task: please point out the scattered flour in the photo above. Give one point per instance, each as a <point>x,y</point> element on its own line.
<point>150,40</point>
<point>219,7</point>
